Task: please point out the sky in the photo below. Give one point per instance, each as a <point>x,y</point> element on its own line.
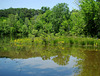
<point>35,4</point>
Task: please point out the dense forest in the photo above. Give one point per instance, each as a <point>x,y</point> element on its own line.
<point>58,20</point>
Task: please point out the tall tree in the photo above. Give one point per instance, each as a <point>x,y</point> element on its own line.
<point>12,19</point>
<point>77,23</point>
<point>59,13</point>
<point>44,9</point>
<point>89,8</point>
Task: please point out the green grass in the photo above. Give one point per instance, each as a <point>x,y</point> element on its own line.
<point>62,40</point>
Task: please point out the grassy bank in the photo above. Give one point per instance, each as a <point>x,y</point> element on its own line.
<point>57,40</point>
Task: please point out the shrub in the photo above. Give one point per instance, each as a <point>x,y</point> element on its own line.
<point>83,42</point>
<point>71,41</point>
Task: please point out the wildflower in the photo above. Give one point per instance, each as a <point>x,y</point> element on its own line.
<point>62,41</point>
<point>15,40</point>
<point>63,48</point>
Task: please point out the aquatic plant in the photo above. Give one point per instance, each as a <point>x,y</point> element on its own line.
<point>55,40</point>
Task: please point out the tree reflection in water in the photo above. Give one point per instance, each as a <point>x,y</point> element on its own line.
<point>88,59</point>
<point>90,64</point>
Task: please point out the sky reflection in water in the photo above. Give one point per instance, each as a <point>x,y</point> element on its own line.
<point>35,67</point>
<point>48,61</point>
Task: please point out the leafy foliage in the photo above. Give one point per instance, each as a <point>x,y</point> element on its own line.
<point>77,23</point>
<point>90,10</point>
<point>60,12</point>
<point>57,21</point>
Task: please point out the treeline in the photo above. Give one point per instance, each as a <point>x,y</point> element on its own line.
<point>22,12</point>
<point>58,20</point>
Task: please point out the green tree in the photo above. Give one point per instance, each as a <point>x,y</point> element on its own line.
<point>59,13</point>
<point>28,24</point>
<point>46,19</point>
<point>19,27</point>
<point>4,27</point>
<point>65,27</point>
<point>38,24</point>
<point>24,30</point>
<point>97,18</point>
<point>47,16</point>
<point>44,9</point>
<point>77,23</point>
<point>89,9</point>
<point>12,19</point>
<point>47,27</point>
<point>98,0</point>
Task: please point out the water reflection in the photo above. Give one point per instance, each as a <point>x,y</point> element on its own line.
<point>48,61</point>
<point>90,64</point>
<point>35,67</point>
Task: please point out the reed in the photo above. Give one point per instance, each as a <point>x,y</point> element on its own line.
<point>61,40</point>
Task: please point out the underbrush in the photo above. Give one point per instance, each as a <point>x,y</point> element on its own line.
<point>51,40</point>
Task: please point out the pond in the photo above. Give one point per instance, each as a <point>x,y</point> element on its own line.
<point>48,60</point>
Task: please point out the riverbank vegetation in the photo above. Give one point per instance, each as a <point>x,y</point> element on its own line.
<point>25,50</point>
<point>57,25</point>
<point>55,40</point>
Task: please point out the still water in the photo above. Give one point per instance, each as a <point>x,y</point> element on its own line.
<point>48,61</point>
